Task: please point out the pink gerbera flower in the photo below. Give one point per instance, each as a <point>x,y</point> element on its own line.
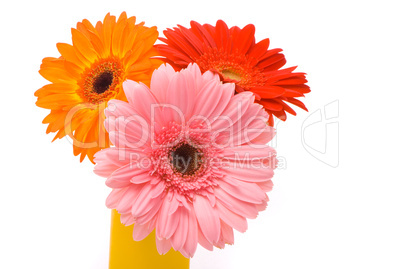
<point>190,159</point>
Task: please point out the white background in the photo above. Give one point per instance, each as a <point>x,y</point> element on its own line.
<point>319,216</point>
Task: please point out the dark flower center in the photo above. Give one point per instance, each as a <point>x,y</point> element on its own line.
<point>186,159</point>
<point>103,82</point>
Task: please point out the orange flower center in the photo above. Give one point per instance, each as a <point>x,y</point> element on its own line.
<point>101,81</point>
<point>232,67</point>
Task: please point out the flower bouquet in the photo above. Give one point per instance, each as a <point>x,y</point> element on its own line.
<point>179,129</point>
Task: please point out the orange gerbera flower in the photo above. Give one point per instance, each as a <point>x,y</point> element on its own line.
<point>234,55</point>
<point>89,73</point>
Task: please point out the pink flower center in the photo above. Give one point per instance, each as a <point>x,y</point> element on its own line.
<point>185,159</point>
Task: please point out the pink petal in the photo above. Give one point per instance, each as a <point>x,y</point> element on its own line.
<point>239,207</point>
<point>130,132</point>
<point>142,178</point>
<point>167,224</point>
<point>109,158</point>
<point>104,167</point>
<point>183,201</point>
<point>174,205</point>
<point>122,177</point>
<point>190,246</point>
<point>263,206</point>
<point>141,231</point>
<point>121,157</point>
<point>211,198</point>
<point>152,214</point>
<point>203,241</point>
<point>264,137</point>
<point>114,197</point>
<point>245,191</point>
<point>245,128</point>
<point>145,201</point>
<point>227,233</point>
<point>126,202</point>
<point>248,153</point>
<point>208,99</point>
<point>179,237</point>
<point>208,218</point>
<point>190,83</point>
<point>266,185</point>
<point>234,220</point>
<point>117,108</point>
<point>237,106</point>
<point>141,99</point>
<point>251,129</point>
<point>208,76</point>
<point>220,243</point>
<point>193,71</point>
<point>127,219</point>
<point>163,246</point>
<point>180,96</point>
<point>227,92</point>
<point>248,172</point>
<point>160,80</point>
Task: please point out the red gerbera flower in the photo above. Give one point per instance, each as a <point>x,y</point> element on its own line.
<point>234,55</point>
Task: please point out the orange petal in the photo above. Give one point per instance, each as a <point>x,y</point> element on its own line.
<point>83,45</point>
<point>56,88</point>
<point>117,35</point>
<point>108,24</point>
<point>68,53</point>
<point>57,75</point>
<point>58,101</point>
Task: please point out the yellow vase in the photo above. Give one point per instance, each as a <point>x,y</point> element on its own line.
<point>125,253</point>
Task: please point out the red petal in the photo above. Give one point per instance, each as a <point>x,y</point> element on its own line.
<point>297,103</point>
<point>271,119</point>
<point>280,114</point>
<point>202,33</point>
<point>245,39</point>
<point>270,53</point>
<point>222,35</point>
<point>272,62</point>
<point>294,81</point>
<point>288,108</point>
<point>259,49</point>
<point>172,53</point>
<point>192,39</point>
<point>277,73</point>
<point>181,43</point>
<point>268,91</point>
<point>292,93</point>
<point>271,105</point>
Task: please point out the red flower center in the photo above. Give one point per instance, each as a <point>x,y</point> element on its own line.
<point>229,74</point>
<point>233,67</point>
